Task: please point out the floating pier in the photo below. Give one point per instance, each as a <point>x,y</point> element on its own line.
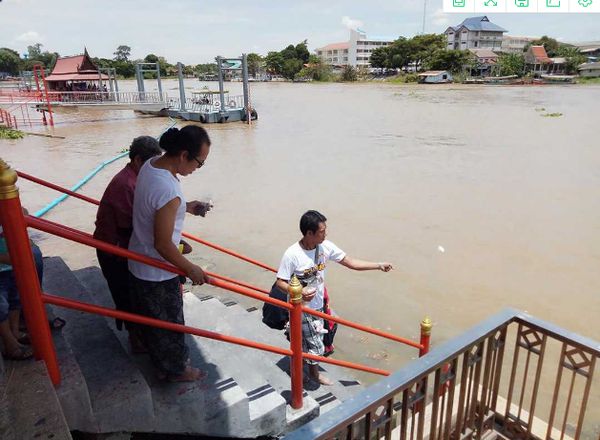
<point>209,106</point>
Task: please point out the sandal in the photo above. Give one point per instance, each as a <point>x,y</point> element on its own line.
<point>20,354</point>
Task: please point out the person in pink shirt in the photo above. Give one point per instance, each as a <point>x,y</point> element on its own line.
<point>114,226</point>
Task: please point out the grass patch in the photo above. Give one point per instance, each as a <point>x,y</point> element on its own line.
<point>552,115</point>
<point>540,109</point>
<point>587,80</point>
<point>404,79</point>
<point>9,133</point>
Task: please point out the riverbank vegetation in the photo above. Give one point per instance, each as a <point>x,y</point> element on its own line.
<point>404,57</point>
<point>9,133</point>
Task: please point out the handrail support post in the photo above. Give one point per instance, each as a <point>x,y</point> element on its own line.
<point>28,284</point>
<point>296,367</point>
<point>426,325</point>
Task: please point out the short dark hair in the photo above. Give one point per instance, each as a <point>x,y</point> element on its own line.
<point>190,138</point>
<point>145,147</point>
<point>310,221</point>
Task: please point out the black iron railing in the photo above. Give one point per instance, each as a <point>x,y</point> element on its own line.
<point>513,374</point>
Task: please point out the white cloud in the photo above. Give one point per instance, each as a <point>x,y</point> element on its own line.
<point>351,23</point>
<point>29,37</point>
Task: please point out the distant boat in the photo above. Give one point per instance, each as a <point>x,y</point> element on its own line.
<point>435,77</point>
<point>495,80</point>
<point>566,79</point>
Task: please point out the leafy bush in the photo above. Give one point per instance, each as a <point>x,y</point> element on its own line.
<point>9,133</point>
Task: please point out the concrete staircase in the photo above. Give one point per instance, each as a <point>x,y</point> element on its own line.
<point>29,406</point>
<point>245,393</point>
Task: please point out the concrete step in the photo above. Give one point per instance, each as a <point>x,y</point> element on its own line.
<point>263,377</point>
<point>32,405</point>
<point>247,323</point>
<point>120,397</point>
<point>215,405</point>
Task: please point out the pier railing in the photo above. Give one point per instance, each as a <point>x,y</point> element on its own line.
<point>200,104</point>
<point>15,225</point>
<point>100,97</point>
<point>512,374</point>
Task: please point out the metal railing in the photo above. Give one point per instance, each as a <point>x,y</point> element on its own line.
<point>33,299</point>
<point>491,378</point>
<point>101,97</point>
<point>198,104</point>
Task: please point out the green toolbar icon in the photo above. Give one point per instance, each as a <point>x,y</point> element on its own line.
<point>553,3</point>
<point>490,3</point>
<point>585,3</point>
<point>522,3</point>
<point>458,3</point>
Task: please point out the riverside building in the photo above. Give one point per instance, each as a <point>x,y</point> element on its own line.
<point>356,52</point>
<point>475,33</point>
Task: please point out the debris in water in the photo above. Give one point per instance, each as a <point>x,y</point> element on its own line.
<point>552,115</point>
<point>441,249</point>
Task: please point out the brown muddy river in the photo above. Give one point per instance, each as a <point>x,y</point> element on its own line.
<point>478,200</point>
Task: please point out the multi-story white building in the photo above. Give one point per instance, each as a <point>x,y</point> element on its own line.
<point>356,52</point>
<point>335,54</point>
<point>475,33</point>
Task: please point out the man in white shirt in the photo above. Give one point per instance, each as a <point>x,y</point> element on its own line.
<point>307,259</point>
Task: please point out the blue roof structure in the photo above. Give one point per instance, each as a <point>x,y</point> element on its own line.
<point>479,24</point>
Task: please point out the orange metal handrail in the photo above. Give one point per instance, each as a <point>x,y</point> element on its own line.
<point>229,252</point>
<point>56,187</point>
<point>339,320</point>
<point>87,239</point>
<point>185,234</point>
<point>90,236</point>
<point>132,317</point>
<point>84,238</point>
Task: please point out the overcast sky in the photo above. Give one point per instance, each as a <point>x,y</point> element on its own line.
<point>195,31</point>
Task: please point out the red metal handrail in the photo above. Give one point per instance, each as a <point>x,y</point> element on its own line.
<point>185,234</point>
<point>140,319</point>
<point>90,236</point>
<point>87,239</point>
<point>116,250</point>
<point>84,238</point>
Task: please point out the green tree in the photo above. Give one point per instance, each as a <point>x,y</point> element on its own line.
<point>255,62</point>
<point>289,53</point>
<point>452,60</point>
<point>291,67</point>
<point>124,68</point>
<point>151,58</point>
<point>274,62</point>
<point>573,56</point>
<point>550,44</point>
<point>423,47</point>
<point>10,61</point>
<point>399,53</point>
<point>316,70</point>
<point>123,53</point>
<point>302,52</point>
<point>34,51</point>
<point>511,64</point>
<point>380,58</point>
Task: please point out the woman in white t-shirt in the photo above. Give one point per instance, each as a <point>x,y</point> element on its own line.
<point>159,209</point>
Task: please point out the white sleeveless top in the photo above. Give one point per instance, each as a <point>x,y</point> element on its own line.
<point>155,187</point>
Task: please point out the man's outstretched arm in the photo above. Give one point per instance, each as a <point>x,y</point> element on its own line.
<point>356,264</point>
